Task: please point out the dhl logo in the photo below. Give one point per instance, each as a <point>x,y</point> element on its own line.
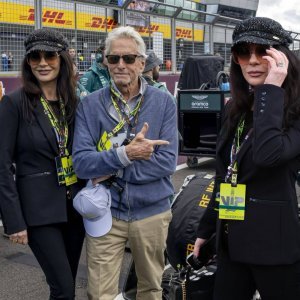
<point>50,16</point>
<point>180,33</point>
<point>149,29</point>
<point>184,33</point>
<point>98,22</point>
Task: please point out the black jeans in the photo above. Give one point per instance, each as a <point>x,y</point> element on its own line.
<point>57,247</point>
<point>238,281</point>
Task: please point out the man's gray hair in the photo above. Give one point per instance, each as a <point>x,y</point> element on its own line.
<point>127,32</point>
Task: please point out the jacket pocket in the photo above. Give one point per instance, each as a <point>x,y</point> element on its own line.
<point>259,238</point>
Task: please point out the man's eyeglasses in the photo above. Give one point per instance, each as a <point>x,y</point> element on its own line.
<point>49,56</point>
<point>241,54</point>
<point>127,58</point>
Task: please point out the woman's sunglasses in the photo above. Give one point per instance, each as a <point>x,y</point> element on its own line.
<point>36,56</point>
<point>127,58</point>
<point>241,54</point>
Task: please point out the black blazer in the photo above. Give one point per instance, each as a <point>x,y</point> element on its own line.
<point>34,198</point>
<point>268,164</point>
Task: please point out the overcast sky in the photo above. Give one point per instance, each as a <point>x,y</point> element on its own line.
<point>286,12</point>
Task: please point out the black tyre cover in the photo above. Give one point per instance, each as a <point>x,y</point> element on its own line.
<point>187,209</point>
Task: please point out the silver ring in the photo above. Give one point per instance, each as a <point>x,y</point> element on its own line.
<point>280,64</point>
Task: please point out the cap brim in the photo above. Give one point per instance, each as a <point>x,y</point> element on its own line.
<point>99,226</point>
<point>41,47</point>
<point>255,40</point>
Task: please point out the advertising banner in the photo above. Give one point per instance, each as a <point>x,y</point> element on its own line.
<point>87,19</point>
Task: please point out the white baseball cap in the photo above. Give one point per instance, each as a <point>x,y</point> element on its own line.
<point>93,204</point>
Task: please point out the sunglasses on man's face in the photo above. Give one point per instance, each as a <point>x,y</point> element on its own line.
<point>241,54</point>
<point>127,58</point>
<point>36,56</point>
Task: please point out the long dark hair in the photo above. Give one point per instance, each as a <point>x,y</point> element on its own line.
<point>66,84</point>
<point>243,98</point>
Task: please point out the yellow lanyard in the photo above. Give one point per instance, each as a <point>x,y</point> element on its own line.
<point>123,116</point>
<point>232,169</point>
<point>60,127</point>
<point>116,98</point>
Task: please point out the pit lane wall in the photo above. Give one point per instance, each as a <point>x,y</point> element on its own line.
<point>12,82</point>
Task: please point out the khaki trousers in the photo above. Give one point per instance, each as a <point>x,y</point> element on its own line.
<point>147,240</point>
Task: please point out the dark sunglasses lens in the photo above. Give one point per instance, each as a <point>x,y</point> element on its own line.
<point>50,56</point>
<point>113,59</point>
<point>129,58</point>
<point>261,50</point>
<point>243,53</point>
<point>34,56</point>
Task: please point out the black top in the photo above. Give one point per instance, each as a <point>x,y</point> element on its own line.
<point>35,198</point>
<point>268,165</point>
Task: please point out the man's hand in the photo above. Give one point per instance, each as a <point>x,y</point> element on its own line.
<point>142,148</point>
<point>19,237</point>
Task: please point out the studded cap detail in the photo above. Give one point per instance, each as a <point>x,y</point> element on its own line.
<point>263,31</point>
<point>45,39</point>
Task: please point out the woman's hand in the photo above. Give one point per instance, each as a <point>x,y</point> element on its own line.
<point>198,244</point>
<point>278,66</point>
<point>19,237</point>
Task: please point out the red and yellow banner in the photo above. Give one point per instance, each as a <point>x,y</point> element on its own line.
<point>16,13</point>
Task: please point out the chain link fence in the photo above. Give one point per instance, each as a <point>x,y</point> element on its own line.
<point>86,24</point>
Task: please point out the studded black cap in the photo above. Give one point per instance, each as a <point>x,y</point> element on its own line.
<point>45,39</point>
<point>263,31</point>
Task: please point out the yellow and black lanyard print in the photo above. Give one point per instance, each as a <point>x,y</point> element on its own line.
<point>130,117</point>
<point>232,170</point>
<point>64,165</point>
<point>233,195</point>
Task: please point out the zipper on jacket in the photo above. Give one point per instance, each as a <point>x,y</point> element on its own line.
<point>267,202</point>
<point>34,175</point>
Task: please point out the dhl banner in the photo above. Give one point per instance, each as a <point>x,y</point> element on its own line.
<point>16,13</point>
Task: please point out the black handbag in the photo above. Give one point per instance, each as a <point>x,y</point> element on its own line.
<point>186,284</point>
